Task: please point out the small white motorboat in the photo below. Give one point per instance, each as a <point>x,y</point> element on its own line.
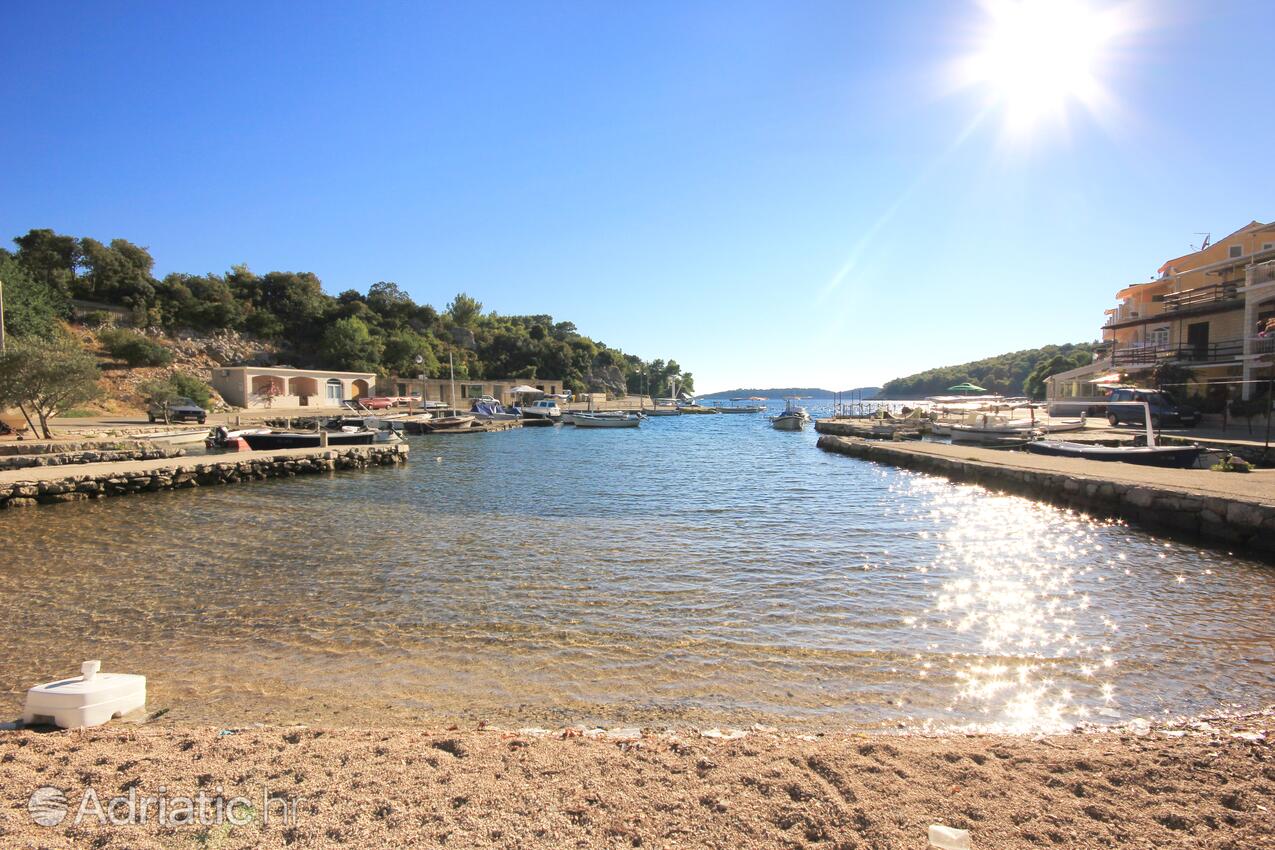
<point>545,408</point>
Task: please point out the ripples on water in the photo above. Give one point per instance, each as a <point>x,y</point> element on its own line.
<point>698,569</point>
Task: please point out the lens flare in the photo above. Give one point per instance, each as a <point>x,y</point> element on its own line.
<point>1036,59</point>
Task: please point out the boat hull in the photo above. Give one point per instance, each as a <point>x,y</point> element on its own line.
<point>788,423</point>
<point>1173,457</point>
<point>291,440</point>
<point>605,422</point>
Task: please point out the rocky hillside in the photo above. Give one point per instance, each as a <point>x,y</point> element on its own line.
<point>192,354</point>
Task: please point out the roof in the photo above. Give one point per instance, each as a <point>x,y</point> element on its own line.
<point>1248,228</point>
<point>290,370</point>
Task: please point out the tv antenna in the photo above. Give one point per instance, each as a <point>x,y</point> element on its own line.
<point>1208,237</point>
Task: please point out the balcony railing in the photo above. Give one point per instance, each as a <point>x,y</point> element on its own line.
<point>1149,355</point>
<point>1202,296</point>
<point>1261,345</point>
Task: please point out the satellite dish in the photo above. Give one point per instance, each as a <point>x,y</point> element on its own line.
<point>419,359</point>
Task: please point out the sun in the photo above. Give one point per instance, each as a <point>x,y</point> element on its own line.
<point>1038,58</point>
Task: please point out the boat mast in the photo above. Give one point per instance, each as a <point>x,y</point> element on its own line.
<point>452,368</point>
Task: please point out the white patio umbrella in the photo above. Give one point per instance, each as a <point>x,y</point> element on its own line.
<point>524,389</point>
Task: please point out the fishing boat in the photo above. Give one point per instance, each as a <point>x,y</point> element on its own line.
<point>591,420</point>
<point>736,407</point>
<point>1176,457</point>
<point>273,440</point>
<point>1151,454</point>
<point>448,423</point>
<point>794,418</point>
<point>663,411</point>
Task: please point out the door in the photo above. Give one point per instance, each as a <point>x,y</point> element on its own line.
<point>334,393</point>
<point>1197,339</point>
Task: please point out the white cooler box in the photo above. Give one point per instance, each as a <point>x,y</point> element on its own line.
<point>87,700</point>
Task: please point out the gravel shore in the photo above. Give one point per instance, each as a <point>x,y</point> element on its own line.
<point>1201,785</point>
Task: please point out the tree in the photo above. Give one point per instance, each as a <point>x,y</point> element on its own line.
<point>1172,377</point>
<point>51,259</point>
<point>347,344</point>
<point>30,308</point>
<point>401,350</point>
<point>47,377</point>
<point>463,310</point>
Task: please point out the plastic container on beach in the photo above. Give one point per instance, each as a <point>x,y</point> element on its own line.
<point>948,837</point>
<point>90,699</point>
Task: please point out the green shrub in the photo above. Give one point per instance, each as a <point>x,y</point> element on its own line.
<point>134,348</point>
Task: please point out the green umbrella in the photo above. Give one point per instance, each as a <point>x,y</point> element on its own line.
<point>967,387</point>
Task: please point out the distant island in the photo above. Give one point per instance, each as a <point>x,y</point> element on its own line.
<point>804,392</point>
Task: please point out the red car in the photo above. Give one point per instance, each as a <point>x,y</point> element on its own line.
<point>377,403</point>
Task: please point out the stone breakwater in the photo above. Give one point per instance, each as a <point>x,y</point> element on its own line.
<point>1167,501</point>
<point>139,452</point>
<point>126,478</point>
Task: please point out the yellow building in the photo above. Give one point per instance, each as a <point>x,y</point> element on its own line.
<point>1204,312</point>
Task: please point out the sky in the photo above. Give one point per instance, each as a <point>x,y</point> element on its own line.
<point>773,194</point>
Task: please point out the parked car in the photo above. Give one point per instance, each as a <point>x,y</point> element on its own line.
<point>377,402</point>
<point>1125,405</point>
<point>179,410</point>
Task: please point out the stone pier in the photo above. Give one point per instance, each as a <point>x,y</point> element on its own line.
<point>1222,508</point>
<point>54,484</point>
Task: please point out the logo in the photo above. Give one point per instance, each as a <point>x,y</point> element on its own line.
<point>47,806</point>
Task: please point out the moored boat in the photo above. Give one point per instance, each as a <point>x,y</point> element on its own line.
<point>794,418</point>
<point>307,439</point>
<point>1177,457</point>
<point>590,420</point>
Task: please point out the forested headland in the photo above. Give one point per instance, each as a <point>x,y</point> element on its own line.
<point>50,277</point>
<point>1016,373</point>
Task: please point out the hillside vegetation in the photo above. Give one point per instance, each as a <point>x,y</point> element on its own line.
<point>382,330</point>
<point>1015,373</point>
<point>802,392</point>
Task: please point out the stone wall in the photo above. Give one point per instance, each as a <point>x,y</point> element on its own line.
<point>44,447</point>
<point>125,481</point>
<point>137,452</point>
<point>1167,510</point>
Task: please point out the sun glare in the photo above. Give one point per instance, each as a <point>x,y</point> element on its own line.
<point>1038,58</point>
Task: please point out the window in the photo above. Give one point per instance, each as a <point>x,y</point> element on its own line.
<point>497,390</point>
<point>471,390</point>
<point>334,390</point>
<point>1236,250</point>
<point>1266,246</point>
<point>1159,337</point>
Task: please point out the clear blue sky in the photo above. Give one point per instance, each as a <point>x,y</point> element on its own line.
<point>783,193</point>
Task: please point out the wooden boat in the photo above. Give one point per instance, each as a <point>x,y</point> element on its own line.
<point>662,411</point>
<point>1176,457</point>
<point>307,439</point>
<point>794,418</point>
<point>588,420</point>
<point>447,423</point>
<point>176,438</point>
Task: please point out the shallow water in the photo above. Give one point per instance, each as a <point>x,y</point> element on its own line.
<point>701,569</point>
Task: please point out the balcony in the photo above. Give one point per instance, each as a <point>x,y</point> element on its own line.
<point>1202,296</point>
<point>1227,351</point>
<point>1264,345</point>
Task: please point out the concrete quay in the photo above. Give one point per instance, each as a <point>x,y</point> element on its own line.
<point>1221,508</point>
<point>53,484</point>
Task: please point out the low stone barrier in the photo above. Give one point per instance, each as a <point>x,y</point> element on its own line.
<point>27,448</point>
<point>1168,510</point>
<point>140,452</point>
<point>122,482</point>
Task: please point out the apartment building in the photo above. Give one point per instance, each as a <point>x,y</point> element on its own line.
<point>1205,311</point>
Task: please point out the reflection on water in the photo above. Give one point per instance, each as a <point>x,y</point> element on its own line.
<point>698,569</point>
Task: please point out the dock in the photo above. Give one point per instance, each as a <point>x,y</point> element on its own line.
<point>78,482</point>
<point>1221,508</point>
